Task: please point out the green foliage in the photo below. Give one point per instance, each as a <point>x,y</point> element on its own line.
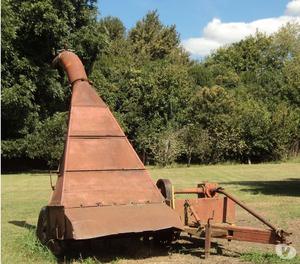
<point>261,73</point>
<point>166,147</point>
<point>32,93</point>
<point>195,142</point>
<point>201,75</point>
<point>47,141</point>
<point>113,27</point>
<point>241,103</point>
<point>151,39</point>
<point>212,110</point>
<point>148,86</point>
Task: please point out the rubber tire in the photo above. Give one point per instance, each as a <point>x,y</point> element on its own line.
<point>165,237</point>
<point>165,187</point>
<point>42,225</point>
<point>57,247</point>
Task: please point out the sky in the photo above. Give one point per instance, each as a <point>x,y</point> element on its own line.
<point>205,25</point>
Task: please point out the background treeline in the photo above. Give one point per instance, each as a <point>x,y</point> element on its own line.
<point>241,103</point>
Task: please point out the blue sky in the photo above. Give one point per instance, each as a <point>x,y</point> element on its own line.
<point>197,21</point>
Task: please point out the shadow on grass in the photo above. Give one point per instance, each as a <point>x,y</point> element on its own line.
<point>29,172</point>
<point>23,224</point>
<point>194,246</point>
<point>110,250</point>
<point>287,187</point>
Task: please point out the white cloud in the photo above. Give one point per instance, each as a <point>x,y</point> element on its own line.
<point>293,8</point>
<point>200,46</point>
<point>216,33</point>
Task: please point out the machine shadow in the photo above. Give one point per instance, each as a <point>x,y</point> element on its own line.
<point>287,187</point>
<point>195,247</point>
<point>22,224</point>
<point>109,250</point>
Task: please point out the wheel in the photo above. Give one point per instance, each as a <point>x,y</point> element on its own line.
<point>42,225</point>
<point>165,187</point>
<point>56,246</point>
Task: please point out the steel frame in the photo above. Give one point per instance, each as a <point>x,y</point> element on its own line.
<point>212,216</point>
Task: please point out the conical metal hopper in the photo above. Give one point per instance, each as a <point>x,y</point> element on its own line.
<point>102,188</point>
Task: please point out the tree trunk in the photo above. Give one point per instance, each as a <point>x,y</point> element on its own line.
<point>189,158</point>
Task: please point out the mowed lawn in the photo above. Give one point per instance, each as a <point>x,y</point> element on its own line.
<point>272,189</point>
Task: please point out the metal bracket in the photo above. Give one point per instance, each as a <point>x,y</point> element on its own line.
<point>51,183</point>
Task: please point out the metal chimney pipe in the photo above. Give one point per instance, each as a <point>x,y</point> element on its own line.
<point>72,65</point>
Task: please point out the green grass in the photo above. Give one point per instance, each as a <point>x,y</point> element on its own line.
<point>272,189</point>
<point>267,258</point>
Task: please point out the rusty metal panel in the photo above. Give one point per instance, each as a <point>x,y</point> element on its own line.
<point>109,153</point>
<point>108,188</point>
<point>84,95</point>
<point>56,220</point>
<point>56,197</point>
<point>98,121</point>
<point>91,222</point>
<point>249,234</point>
<point>217,208</point>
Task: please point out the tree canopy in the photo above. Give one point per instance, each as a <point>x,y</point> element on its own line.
<point>241,103</point>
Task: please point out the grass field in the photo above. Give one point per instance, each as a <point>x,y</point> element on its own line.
<point>271,189</point>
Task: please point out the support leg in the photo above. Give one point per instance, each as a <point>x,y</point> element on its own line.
<point>207,240</point>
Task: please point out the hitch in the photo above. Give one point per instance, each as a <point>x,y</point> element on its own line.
<point>211,215</point>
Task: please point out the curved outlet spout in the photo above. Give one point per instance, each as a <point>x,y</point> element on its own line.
<point>71,64</point>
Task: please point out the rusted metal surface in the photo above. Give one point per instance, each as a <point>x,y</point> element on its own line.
<point>211,215</point>
<point>248,234</point>
<point>259,217</point>
<point>89,222</point>
<point>72,65</point>
<point>102,185</point>
<point>190,191</point>
<point>240,233</point>
<point>207,190</point>
<point>207,245</point>
<point>206,208</point>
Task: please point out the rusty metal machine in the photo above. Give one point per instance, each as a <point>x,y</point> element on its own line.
<point>211,215</point>
<point>103,188</point>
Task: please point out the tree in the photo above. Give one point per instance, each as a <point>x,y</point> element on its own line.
<point>195,142</point>
<point>150,38</point>
<point>241,102</point>
<point>145,81</point>
<point>166,147</point>
<point>32,92</point>
<point>113,28</point>
<point>212,110</point>
<point>202,75</point>
<point>267,135</point>
<point>262,73</point>
<point>52,131</point>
